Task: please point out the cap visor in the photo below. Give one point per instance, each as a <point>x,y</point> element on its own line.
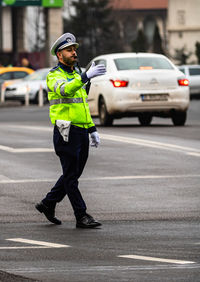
<point>63,47</point>
<point>67,45</point>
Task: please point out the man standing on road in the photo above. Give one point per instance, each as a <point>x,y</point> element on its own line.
<point>70,115</point>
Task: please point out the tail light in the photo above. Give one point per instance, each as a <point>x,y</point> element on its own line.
<point>183,82</point>
<point>119,83</point>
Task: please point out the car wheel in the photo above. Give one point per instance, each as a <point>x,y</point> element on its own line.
<point>179,118</point>
<point>145,119</point>
<point>104,117</point>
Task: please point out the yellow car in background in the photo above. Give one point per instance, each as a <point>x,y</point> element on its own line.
<point>12,74</point>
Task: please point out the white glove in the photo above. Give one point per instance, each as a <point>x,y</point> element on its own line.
<point>95,140</point>
<point>95,70</point>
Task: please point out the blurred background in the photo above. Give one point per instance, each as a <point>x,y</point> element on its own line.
<point>28,29</point>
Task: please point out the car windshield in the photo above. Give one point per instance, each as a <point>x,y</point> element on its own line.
<point>142,63</point>
<point>37,75</point>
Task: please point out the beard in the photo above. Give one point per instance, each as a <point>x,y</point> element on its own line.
<point>69,61</point>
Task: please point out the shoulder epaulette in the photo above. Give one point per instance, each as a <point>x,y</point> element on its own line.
<point>55,68</point>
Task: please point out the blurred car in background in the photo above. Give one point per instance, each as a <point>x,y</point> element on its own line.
<point>31,84</point>
<point>192,72</point>
<point>13,74</point>
<point>139,85</point>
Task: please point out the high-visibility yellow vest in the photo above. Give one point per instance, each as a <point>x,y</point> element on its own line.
<point>68,98</point>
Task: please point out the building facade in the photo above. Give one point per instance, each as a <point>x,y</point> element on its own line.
<point>16,39</point>
<point>177,20</point>
<point>133,15</point>
<point>183,27</point>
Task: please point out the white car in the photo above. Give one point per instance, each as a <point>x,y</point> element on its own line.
<point>192,73</point>
<point>139,85</point>
<point>31,84</point>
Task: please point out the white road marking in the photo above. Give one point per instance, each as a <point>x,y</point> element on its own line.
<point>33,150</point>
<point>3,177</point>
<point>4,181</point>
<point>29,127</point>
<point>38,243</point>
<point>27,247</point>
<point>116,138</point>
<point>6,148</point>
<point>193,154</point>
<point>103,178</point>
<point>140,177</point>
<point>149,143</point>
<point>26,150</point>
<point>99,268</point>
<point>156,259</point>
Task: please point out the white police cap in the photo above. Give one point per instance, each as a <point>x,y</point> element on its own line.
<point>65,40</point>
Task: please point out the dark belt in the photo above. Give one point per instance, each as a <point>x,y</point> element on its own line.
<point>80,129</point>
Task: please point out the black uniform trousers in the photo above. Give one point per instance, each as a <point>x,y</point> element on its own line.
<point>73,156</point>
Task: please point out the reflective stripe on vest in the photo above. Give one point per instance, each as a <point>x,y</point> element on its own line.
<point>57,82</point>
<point>62,90</point>
<point>66,101</point>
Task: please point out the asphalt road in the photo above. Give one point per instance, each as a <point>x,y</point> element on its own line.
<point>142,183</point>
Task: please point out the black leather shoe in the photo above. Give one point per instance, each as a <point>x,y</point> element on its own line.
<point>49,213</point>
<point>87,221</point>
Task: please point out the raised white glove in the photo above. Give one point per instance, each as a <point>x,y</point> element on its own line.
<point>95,140</point>
<point>95,70</point>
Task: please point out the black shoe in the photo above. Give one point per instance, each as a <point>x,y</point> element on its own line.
<point>87,221</point>
<point>49,213</point>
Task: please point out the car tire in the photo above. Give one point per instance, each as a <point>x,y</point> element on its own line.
<point>145,119</point>
<point>179,118</point>
<point>104,117</point>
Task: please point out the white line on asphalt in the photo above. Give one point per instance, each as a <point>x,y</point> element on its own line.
<point>27,247</point>
<point>103,178</point>
<point>4,181</point>
<point>193,154</point>
<point>156,259</point>
<point>3,177</point>
<point>30,127</point>
<point>140,177</point>
<point>100,268</point>
<point>116,138</point>
<point>6,148</point>
<point>149,143</point>
<point>39,243</point>
<point>25,150</point>
<point>33,150</point>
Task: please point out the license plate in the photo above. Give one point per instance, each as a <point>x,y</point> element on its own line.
<point>154,97</point>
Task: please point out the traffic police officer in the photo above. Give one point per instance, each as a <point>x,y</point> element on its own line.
<point>70,115</point>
